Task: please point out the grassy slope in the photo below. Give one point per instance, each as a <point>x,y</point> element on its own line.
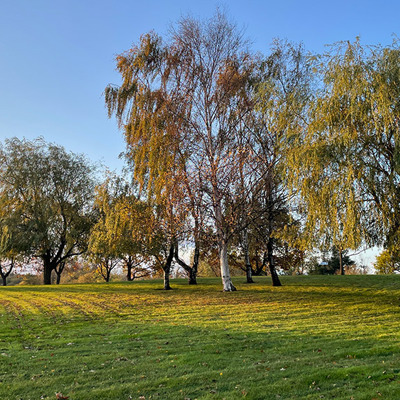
<point>315,337</point>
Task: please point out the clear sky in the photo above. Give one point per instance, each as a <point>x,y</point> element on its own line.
<point>57,56</point>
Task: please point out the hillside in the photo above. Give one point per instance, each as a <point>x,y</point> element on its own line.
<point>315,337</point>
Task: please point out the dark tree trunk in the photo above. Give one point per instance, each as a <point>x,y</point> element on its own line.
<point>49,265</point>
<point>249,270</point>
<point>192,277</point>
<point>4,273</point>
<point>59,271</point>
<point>341,268</point>
<point>106,266</point>
<point>47,269</point>
<point>195,266</point>
<point>167,268</point>
<point>249,274</point>
<point>260,266</point>
<point>129,264</point>
<point>191,270</point>
<point>271,263</point>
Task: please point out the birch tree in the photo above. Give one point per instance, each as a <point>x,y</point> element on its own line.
<point>181,105</point>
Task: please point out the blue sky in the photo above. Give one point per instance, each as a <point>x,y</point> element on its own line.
<point>56,57</point>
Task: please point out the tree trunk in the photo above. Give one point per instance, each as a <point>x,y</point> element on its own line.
<point>167,268</point>
<point>192,277</point>
<point>4,276</point>
<point>223,248</point>
<point>167,271</point>
<point>260,266</point>
<point>129,269</point>
<point>249,274</point>
<point>47,269</point>
<point>4,273</point>
<point>225,274</point>
<point>341,269</point>
<point>249,270</point>
<point>190,270</point>
<point>59,271</point>
<point>271,263</point>
<point>195,266</point>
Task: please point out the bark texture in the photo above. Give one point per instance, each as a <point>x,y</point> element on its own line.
<point>129,265</point>
<point>190,270</point>
<point>167,267</point>
<point>341,267</point>
<point>271,263</point>
<point>4,273</point>
<point>48,268</point>
<point>249,270</point>
<point>225,274</point>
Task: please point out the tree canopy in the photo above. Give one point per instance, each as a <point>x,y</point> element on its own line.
<point>345,164</point>
<point>236,157</point>
<point>48,193</point>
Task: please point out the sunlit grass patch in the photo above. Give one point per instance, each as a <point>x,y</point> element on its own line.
<point>316,337</point>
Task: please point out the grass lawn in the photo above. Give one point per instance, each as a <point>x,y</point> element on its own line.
<point>314,338</point>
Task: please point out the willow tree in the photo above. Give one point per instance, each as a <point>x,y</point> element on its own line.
<point>387,263</point>
<point>346,165</point>
<point>49,193</point>
<point>11,245</point>
<point>181,105</point>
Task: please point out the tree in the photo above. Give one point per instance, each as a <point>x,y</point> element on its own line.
<point>337,263</point>
<point>122,230</point>
<point>182,104</point>
<point>387,262</point>
<point>6,267</point>
<point>281,95</point>
<point>11,244</point>
<point>346,164</point>
<point>49,192</point>
<point>105,265</point>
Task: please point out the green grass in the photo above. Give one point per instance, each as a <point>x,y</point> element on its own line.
<point>314,338</point>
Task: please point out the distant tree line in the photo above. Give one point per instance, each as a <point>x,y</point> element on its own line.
<point>239,159</point>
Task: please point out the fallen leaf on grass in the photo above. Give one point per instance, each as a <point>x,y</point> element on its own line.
<point>60,396</point>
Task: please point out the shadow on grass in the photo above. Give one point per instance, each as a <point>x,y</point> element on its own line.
<point>170,360</point>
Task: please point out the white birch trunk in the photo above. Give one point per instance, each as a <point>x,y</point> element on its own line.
<point>225,274</point>
<point>222,243</point>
